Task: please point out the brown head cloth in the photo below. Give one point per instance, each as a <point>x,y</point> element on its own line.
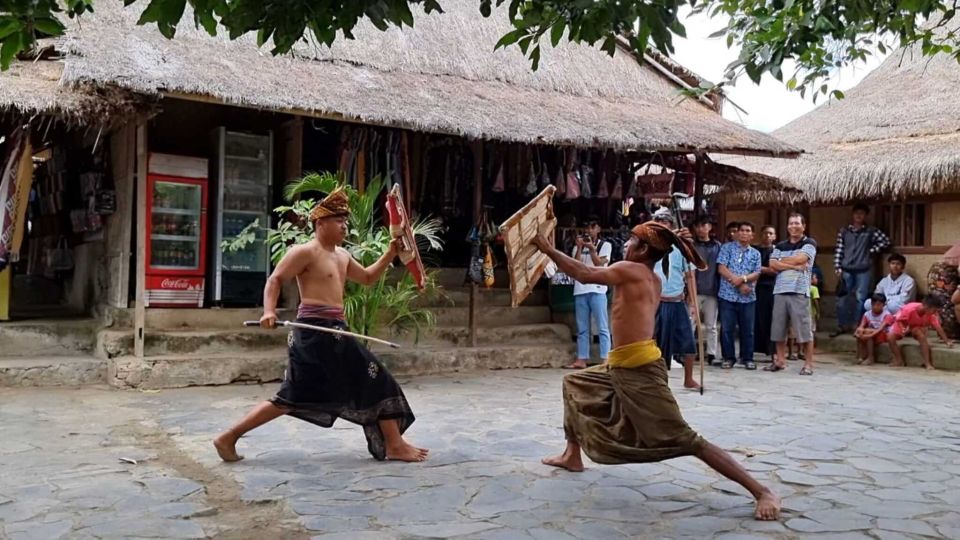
<point>335,204</point>
<point>662,238</point>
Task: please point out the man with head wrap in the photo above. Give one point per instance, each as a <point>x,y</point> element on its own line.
<point>623,411</point>
<point>330,376</point>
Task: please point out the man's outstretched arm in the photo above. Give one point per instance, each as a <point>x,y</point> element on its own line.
<point>600,275</point>
<point>370,274</point>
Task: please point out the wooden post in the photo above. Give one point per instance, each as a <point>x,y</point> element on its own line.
<point>140,310</point>
<point>5,290</point>
<point>123,154</point>
<point>291,137</point>
<point>477,210</point>
<point>698,186</point>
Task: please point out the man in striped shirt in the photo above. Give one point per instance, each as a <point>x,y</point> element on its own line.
<point>793,259</point>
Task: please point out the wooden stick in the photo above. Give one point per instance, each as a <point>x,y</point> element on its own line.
<point>327,330</point>
<point>692,291</point>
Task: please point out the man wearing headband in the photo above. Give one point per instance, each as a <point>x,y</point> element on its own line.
<point>623,411</point>
<point>330,376</point>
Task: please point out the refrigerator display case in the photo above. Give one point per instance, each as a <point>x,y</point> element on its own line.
<point>244,187</point>
<point>176,232</point>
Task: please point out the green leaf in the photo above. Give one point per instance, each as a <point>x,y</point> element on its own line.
<point>556,31</point>
<point>792,83</point>
<point>509,38</point>
<point>11,46</point>
<point>535,58</point>
<point>838,94</point>
<point>718,33</point>
<point>166,13</point>
<point>49,26</point>
<point>609,45</point>
<point>9,26</point>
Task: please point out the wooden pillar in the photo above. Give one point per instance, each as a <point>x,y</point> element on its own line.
<point>291,137</point>
<point>5,277</point>
<point>140,310</point>
<point>698,186</point>
<point>477,147</point>
<point>123,155</point>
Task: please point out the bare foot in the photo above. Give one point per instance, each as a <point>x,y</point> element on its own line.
<point>566,460</point>
<point>407,452</point>
<point>768,507</point>
<point>691,385</point>
<point>226,445</point>
<point>929,367</point>
<point>579,364</point>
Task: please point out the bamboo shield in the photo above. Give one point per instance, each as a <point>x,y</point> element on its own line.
<point>525,263</point>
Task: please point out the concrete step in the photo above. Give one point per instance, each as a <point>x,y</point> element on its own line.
<point>52,371</point>
<point>520,334</point>
<point>181,371</point>
<point>453,277</point>
<point>943,358</point>
<point>493,315</point>
<point>48,338</point>
<point>116,343</point>
<point>460,297</point>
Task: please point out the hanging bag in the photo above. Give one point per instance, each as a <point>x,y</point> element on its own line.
<point>60,258</point>
<point>659,184</point>
<point>488,265</point>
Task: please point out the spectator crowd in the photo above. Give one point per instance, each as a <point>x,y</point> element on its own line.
<point>760,298</point>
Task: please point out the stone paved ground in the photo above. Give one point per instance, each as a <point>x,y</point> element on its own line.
<point>856,453</point>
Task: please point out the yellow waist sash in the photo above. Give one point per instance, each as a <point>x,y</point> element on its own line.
<point>636,354</point>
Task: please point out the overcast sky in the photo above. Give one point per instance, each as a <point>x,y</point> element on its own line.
<point>769,105</point>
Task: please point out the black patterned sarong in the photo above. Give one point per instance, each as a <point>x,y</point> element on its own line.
<point>330,376</point>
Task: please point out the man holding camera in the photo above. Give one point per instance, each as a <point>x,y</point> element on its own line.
<point>590,300</point>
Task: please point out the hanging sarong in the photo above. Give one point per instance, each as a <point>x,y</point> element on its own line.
<point>330,376</point>
<point>15,177</point>
<point>627,415</point>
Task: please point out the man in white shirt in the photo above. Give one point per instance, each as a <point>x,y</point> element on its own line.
<point>590,300</point>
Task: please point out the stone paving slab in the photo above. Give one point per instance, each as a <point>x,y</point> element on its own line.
<point>856,453</point>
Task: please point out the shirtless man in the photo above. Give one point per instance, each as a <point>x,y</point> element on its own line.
<point>623,411</point>
<point>330,376</point>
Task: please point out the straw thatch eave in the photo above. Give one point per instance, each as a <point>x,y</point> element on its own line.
<point>442,76</point>
<point>33,89</point>
<point>895,135</point>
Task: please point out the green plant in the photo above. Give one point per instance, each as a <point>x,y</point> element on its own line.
<point>392,302</point>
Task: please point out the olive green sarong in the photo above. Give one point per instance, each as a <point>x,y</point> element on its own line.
<point>620,415</point>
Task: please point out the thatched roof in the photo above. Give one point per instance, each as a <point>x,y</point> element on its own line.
<point>33,88</point>
<point>894,135</point>
<point>441,76</point>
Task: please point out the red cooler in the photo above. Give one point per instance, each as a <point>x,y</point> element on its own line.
<point>176,231</point>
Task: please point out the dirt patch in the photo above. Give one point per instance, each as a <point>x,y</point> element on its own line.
<point>232,518</point>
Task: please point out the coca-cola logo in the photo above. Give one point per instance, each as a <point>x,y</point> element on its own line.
<point>175,284</point>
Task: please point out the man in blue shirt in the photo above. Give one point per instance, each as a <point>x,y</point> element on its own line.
<point>673,329</point>
<point>739,266</point>
<point>793,259</point>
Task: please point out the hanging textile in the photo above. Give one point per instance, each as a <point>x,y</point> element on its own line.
<point>15,179</point>
<point>560,182</point>
<point>532,187</point>
<point>617,191</point>
<point>499,184</point>
<point>586,178</point>
<point>602,188</point>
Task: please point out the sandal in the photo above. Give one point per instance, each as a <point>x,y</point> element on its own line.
<point>727,364</point>
<point>806,371</point>
<point>773,367</point>
<point>751,365</point>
